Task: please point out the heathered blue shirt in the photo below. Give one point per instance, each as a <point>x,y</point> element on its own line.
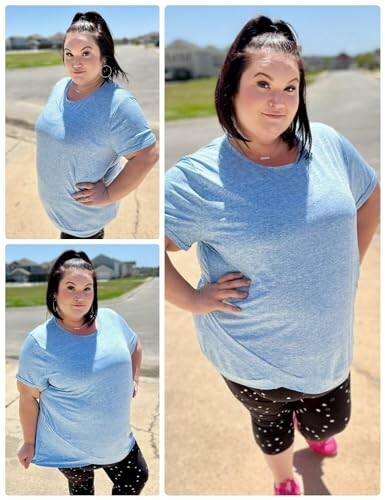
<point>292,230</point>
<point>82,141</point>
<point>86,384</point>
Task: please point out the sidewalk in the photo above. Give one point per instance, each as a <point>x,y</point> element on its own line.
<point>45,481</point>
<point>138,215</point>
<point>210,448</point>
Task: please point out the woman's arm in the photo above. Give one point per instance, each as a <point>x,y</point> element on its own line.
<point>134,171</point>
<point>210,297</point>
<point>136,360</point>
<point>367,220</point>
<point>28,412</point>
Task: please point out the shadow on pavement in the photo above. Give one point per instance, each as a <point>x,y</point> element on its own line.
<point>309,466</point>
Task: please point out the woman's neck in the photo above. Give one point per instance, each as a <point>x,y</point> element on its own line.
<point>78,327</point>
<point>270,154</point>
<point>80,91</point>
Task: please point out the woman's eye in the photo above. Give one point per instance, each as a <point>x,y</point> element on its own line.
<point>263,84</point>
<point>86,53</point>
<point>88,289</point>
<point>68,54</point>
<point>290,89</point>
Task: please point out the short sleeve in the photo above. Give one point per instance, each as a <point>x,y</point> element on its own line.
<point>182,205</point>
<point>129,129</point>
<point>33,366</point>
<point>129,334</point>
<point>362,177</point>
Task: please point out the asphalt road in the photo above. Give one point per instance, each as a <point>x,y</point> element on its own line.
<point>140,308</point>
<point>348,100</point>
<point>140,63</point>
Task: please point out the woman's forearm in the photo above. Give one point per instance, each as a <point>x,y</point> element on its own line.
<point>367,221</point>
<point>177,290</point>
<point>28,412</point>
<point>133,173</point>
<point>136,359</point>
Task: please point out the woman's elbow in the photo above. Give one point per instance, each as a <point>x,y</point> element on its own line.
<point>151,155</point>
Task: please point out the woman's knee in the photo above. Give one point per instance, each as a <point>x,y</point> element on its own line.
<point>319,430</point>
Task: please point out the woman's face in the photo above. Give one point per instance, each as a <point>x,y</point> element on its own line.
<point>75,294</point>
<point>82,58</point>
<point>268,96</point>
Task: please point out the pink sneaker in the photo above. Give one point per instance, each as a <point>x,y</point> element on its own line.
<point>327,447</point>
<point>288,487</point>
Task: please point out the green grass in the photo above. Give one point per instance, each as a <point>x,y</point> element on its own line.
<point>195,98</point>
<point>190,99</point>
<point>33,59</point>
<point>26,296</point>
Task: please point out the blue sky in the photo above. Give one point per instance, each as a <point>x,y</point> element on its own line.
<point>322,30</point>
<point>143,254</point>
<point>123,21</point>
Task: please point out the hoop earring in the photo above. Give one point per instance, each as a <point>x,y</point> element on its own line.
<point>106,69</point>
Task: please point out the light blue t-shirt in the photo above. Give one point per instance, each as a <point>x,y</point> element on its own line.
<point>82,141</point>
<point>86,384</point>
<point>292,230</point>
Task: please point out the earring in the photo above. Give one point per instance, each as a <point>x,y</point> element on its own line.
<point>106,71</point>
<point>54,306</point>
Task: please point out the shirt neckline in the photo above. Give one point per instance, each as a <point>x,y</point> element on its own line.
<point>83,99</point>
<point>266,168</point>
<point>72,334</point>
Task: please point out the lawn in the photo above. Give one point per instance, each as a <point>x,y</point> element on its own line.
<point>32,59</point>
<point>190,99</point>
<point>24,296</point>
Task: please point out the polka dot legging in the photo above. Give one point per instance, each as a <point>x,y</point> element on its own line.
<point>128,476</point>
<point>318,416</point>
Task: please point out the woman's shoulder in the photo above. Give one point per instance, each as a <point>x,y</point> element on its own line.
<point>105,313</point>
<point>116,92</point>
<point>205,158</point>
<point>38,336</point>
<point>321,130</point>
<point>62,84</point>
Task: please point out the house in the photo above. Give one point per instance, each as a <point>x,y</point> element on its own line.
<point>20,270</point>
<point>120,269</point>
<point>342,61</point>
<point>19,275</point>
<point>28,271</point>
<point>104,273</point>
<point>184,60</point>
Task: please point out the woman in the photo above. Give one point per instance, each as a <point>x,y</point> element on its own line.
<point>77,374</point>
<point>89,122</point>
<point>283,212</point>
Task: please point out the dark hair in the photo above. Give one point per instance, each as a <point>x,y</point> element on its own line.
<point>261,32</point>
<point>68,260</point>
<point>92,22</point>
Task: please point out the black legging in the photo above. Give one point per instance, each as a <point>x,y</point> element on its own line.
<point>128,476</point>
<point>98,236</point>
<point>319,416</point>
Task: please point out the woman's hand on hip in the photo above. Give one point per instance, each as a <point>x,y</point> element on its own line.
<point>25,454</point>
<point>92,194</point>
<point>212,296</point>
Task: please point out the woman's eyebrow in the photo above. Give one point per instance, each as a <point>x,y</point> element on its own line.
<point>86,47</point>
<point>270,78</point>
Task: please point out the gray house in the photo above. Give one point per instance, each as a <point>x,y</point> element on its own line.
<point>184,60</point>
<point>26,270</point>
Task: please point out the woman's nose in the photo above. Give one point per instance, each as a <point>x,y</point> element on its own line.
<point>276,99</point>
